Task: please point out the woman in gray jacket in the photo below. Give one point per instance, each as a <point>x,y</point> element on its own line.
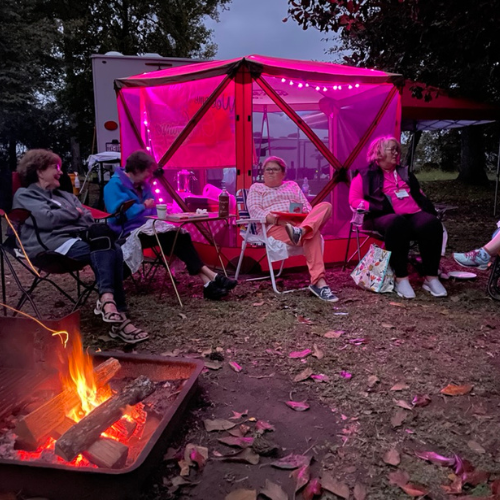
<point>66,227</point>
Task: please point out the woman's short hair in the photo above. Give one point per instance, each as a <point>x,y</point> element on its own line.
<point>275,159</point>
<point>377,147</point>
<point>139,161</point>
<point>34,161</point>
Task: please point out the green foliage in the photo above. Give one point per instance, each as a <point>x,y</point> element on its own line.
<point>452,45</point>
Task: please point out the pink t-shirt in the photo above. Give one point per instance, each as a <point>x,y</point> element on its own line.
<point>392,184</point>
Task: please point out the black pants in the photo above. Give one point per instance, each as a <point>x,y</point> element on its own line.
<point>399,230</point>
<point>184,248</point>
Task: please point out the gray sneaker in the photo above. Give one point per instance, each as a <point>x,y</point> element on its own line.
<point>324,293</point>
<point>479,258</point>
<point>294,233</point>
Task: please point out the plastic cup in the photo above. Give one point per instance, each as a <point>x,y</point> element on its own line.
<point>161,211</point>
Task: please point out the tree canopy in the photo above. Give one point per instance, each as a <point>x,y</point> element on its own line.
<point>45,66</point>
<point>452,45</point>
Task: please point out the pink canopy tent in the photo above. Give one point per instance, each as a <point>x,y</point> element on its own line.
<point>220,119</point>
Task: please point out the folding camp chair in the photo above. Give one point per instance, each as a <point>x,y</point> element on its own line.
<point>40,268</point>
<point>254,233</point>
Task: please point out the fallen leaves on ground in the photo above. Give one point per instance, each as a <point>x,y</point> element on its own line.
<point>300,354</point>
<point>246,456</point>
<point>242,494</point>
<point>196,454</point>
<point>388,326</point>
<point>345,374</point>
<point>436,459</point>
<point>475,446</point>
<point>292,462</point>
<point>456,390</point>
<point>403,404</point>
<point>399,478</point>
<point>317,352</point>
<point>398,418</point>
<point>303,375</point>
<point>239,442</point>
<point>360,492</point>
<point>303,319</point>
<point>273,491</point>
<point>392,457</point>
<point>421,400</point>
<point>334,486</point>
<point>262,426</point>
<point>301,477</point>
<point>414,490</point>
<point>238,415</point>
<point>320,377</point>
<point>334,334</point>
<point>235,366</point>
<point>213,365</point>
<point>313,488</point>
<point>372,380</point>
<point>298,405</point>
<point>218,424</point>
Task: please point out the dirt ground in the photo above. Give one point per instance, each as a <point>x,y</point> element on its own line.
<point>376,353</point>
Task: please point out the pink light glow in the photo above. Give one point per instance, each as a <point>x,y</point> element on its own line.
<point>157,191</point>
<point>154,183</point>
<point>317,88</point>
<point>160,199</point>
<point>300,85</point>
<point>291,83</point>
<point>145,122</point>
<point>283,80</point>
<point>335,87</point>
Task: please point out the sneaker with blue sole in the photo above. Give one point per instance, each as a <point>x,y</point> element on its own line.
<point>324,293</point>
<point>478,258</point>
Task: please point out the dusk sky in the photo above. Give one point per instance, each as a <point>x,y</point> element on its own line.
<point>256,27</point>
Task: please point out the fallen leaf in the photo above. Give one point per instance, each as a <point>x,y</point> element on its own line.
<point>400,386</point>
<point>345,374</point>
<point>298,405</point>
<point>436,459</point>
<point>399,477</point>
<point>360,491</point>
<point>334,334</point>
<point>258,304</point>
<point>358,341</point>
<point>235,366</point>
<point>456,390</point>
<point>476,447</point>
<point>387,325</point>
<point>306,321</point>
<point>372,380</point>
<point>313,488</point>
<point>261,426</point>
<point>320,377</point>
<point>317,352</point>
<point>105,338</point>
<point>218,425</point>
<point>197,454</point>
<point>246,456</point>
<point>292,462</point>
<point>182,316</point>
<point>213,365</point>
<point>414,490</point>
<point>303,375</point>
<point>184,466</point>
<point>392,457</point>
<point>301,477</point>
<point>476,477</point>
<point>338,488</point>
<point>273,491</point>
<point>397,304</point>
<point>398,418</point>
<point>403,404</point>
<point>421,400</point>
<point>239,442</point>
<point>179,481</point>
<point>237,415</point>
<point>300,354</point>
<point>242,494</point>
<point>455,488</point>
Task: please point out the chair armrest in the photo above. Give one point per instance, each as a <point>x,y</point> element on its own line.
<point>240,222</point>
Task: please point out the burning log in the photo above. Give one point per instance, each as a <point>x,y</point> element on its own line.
<point>107,453</point>
<point>88,430</point>
<point>39,424</point>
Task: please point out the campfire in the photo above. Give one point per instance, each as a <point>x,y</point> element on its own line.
<point>79,411</point>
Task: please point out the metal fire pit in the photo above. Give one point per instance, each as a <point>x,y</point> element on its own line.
<point>24,369</point>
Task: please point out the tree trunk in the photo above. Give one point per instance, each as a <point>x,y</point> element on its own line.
<point>76,159</point>
<point>472,167</point>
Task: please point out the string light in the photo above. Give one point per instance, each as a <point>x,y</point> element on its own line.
<point>318,87</point>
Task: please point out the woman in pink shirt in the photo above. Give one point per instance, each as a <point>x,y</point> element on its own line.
<point>398,209</point>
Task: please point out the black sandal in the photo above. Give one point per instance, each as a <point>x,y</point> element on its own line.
<point>133,337</point>
<point>110,316</point>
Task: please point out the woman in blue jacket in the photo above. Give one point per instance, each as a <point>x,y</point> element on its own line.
<point>132,184</point>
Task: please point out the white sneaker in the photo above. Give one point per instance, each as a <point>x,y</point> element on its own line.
<point>404,289</point>
<point>435,287</point>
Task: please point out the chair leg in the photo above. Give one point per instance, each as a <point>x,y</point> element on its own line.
<point>493,281</point>
<point>346,261</point>
<point>242,254</point>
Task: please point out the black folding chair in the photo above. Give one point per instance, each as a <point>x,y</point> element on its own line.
<point>42,267</point>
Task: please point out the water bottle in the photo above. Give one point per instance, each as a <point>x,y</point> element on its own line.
<point>359,214</point>
<point>305,186</point>
<point>496,230</point>
<point>76,185</point>
<point>224,202</point>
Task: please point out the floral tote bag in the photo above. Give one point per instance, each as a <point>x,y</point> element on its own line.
<point>374,272</point>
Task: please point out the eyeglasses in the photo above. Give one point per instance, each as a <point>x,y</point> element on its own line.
<point>272,170</point>
<point>393,150</point>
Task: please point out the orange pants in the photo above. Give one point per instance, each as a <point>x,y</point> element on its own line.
<point>311,241</point>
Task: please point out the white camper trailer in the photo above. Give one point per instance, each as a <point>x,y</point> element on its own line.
<point>105,69</point>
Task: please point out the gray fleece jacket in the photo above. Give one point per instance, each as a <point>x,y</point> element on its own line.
<point>56,216</point>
